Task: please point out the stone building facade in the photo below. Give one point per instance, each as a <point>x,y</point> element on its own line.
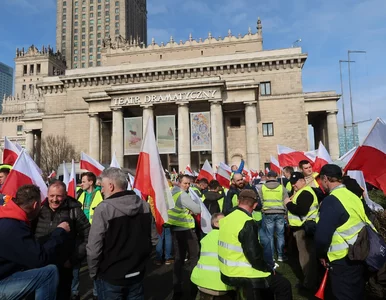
<point>252,100</point>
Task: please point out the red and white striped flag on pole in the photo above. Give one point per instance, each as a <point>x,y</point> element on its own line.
<point>274,165</point>
<point>322,158</point>
<point>223,177</point>
<point>10,152</point>
<point>66,176</point>
<point>150,178</point>
<point>225,167</point>
<point>206,172</point>
<point>71,190</point>
<point>290,157</point>
<point>189,171</point>
<point>24,172</point>
<point>90,164</point>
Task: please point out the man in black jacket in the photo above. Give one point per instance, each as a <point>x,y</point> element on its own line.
<point>58,208</point>
<point>26,266</point>
<point>119,244</point>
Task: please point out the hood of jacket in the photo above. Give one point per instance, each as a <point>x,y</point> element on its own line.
<point>272,184</point>
<point>213,196</point>
<point>127,202</point>
<point>12,211</point>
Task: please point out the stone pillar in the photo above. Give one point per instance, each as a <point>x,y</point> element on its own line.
<point>217,133</point>
<point>251,133</point>
<point>94,142</point>
<point>307,132</point>
<point>147,114</point>
<point>117,135</point>
<point>183,136</point>
<point>29,142</point>
<point>332,133</point>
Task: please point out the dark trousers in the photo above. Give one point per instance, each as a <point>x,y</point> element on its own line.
<point>347,281</point>
<point>279,289</point>
<point>65,281</point>
<point>184,242</point>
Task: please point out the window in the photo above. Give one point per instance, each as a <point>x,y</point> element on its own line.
<point>75,30</point>
<point>91,1</point>
<point>98,63</point>
<point>90,50</point>
<point>91,7</point>
<point>83,65</point>
<point>116,3</point>
<point>83,50</point>
<point>75,66</point>
<point>83,9</point>
<point>83,44</point>
<point>99,28</point>
<point>76,3</point>
<point>107,6</point>
<point>99,42</point>
<point>99,7</point>
<point>116,25</point>
<point>76,17</point>
<point>64,30</point>
<point>267,129</point>
<point>75,58</point>
<point>107,27</point>
<point>91,57</point>
<point>99,49</point>
<point>75,44</point>
<point>91,22</point>
<point>91,35</point>
<point>84,2</point>
<point>19,129</point>
<point>83,29</point>
<point>31,69</point>
<point>99,1</point>
<point>99,21</point>
<point>117,10</point>
<point>91,43</point>
<point>76,23</point>
<point>64,24</point>
<point>91,15</point>
<point>83,36</point>
<point>265,88</point>
<point>76,10</point>
<point>23,87</point>
<point>64,3</point>
<point>98,56</point>
<point>83,23</point>
<point>83,16</point>
<point>116,31</point>
<point>90,64</point>
<point>235,122</point>
<point>99,14</point>
<point>83,57</point>
<point>75,51</point>
<point>38,67</point>
<point>107,20</point>
<point>117,17</point>
<point>64,10</point>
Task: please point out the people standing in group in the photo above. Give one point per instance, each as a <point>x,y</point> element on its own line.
<point>341,218</point>
<point>184,236</point>
<point>309,175</point>
<point>302,212</point>
<point>241,257</point>
<point>3,176</point>
<point>214,198</point>
<point>287,172</point>
<point>27,266</point>
<point>272,195</point>
<point>119,244</point>
<point>58,208</point>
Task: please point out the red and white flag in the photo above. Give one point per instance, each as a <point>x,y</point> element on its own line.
<point>370,158</point>
<point>189,171</point>
<point>266,170</point>
<point>348,155</point>
<point>52,175</point>
<point>254,173</point>
<point>205,216</point>
<point>90,164</point>
<point>66,176</point>
<point>247,175</point>
<point>290,157</point>
<point>311,155</point>
<point>274,165</point>
<point>225,167</point>
<point>24,172</point>
<point>223,177</point>
<point>10,152</point>
<point>322,158</point>
<point>114,162</point>
<point>71,190</point>
<point>206,172</point>
<point>150,178</point>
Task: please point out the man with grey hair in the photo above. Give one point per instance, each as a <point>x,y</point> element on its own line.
<point>120,240</point>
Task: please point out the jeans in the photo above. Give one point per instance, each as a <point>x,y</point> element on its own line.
<point>164,239</point>
<point>43,282</point>
<point>266,244</point>
<point>75,282</point>
<point>132,291</point>
<point>275,223</point>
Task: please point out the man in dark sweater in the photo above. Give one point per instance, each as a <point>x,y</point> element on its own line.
<point>26,265</point>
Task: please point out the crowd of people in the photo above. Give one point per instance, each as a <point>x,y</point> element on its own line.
<point>311,218</point>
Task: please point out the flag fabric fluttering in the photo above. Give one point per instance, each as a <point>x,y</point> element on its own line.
<point>205,217</point>
<point>322,158</point>
<point>370,157</point>
<point>52,175</point>
<point>10,152</point>
<point>345,158</point>
<point>188,171</point>
<point>223,177</point>
<point>71,189</point>
<point>225,167</point>
<point>290,157</point>
<point>24,172</point>
<point>66,176</point>
<point>206,172</point>
<point>90,164</point>
<point>274,165</point>
<point>150,178</point>
<point>114,162</point>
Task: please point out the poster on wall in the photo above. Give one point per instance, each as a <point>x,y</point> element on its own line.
<point>166,134</point>
<point>132,135</point>
<point>200,139</point>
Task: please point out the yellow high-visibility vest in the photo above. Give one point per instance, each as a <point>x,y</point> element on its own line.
<point>297,221</point>
<point>180,216</point>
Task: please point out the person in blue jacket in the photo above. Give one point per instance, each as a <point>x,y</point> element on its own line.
<point>26,266</point>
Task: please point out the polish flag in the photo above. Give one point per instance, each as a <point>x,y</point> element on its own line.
<point>311,155</point>
<point>370,158</point>
<point>223,177</point>
<point>24,172</point>
<point>71,188</point>
<point>18,146</point>
<point>274,165</point>
<point>225,167</point>
<point>347,156</point>
<point>266,170</point>
<point>10,152</point>
<point>90,164</point>
<point>254,173</point>
<point>205,216</point>
<point>52,175</point>
<point>114,162</point>
<point>247,175</point>
<point>290,157</point>
<point>189,171</point>
<point>66,176</point>
<point>322,158</point>
<point>150,178</point>
<point>206,172</point>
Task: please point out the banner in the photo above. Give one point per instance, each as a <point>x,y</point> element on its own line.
<point>166,134</point>
<point>200,139</point>
<point>132,135</point>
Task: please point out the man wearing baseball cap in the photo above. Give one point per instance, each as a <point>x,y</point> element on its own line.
<point>303,208</point>
<point>241,257</point>
<point>341,218</point>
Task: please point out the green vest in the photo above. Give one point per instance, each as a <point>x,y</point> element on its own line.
<point>273,198</point>
<point>235,200</point>
<point>219,201</point>
<point>297,221</point>
<point>257,216</point>
<point>232,260</point>
<point>347,234</point>
<point>288,186</point>
<point>207,272</point>
<point>180,216</point>
<point>96,199</point>
<point>198,192</point>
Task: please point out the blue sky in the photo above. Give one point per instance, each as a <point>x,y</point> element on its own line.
<point>328,28</point>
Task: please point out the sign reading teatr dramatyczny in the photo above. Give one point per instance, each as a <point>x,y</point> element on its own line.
<point>163,98</point>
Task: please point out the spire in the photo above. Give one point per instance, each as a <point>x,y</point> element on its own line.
<point>259,27</point>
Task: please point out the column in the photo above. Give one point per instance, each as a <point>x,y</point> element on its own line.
<point>332,134</point>
<point>217,133</point>
<point>94,142</point>
<point>307,132</point>
<point>117,135</point>
<point>147,114</point>
<point>29,142</point>
<point>251,136</point>
<point>183,136</point>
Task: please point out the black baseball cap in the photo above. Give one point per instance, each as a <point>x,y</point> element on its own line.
<point>271,174</point>
<point>331,170</point>
<point>295,176</point>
